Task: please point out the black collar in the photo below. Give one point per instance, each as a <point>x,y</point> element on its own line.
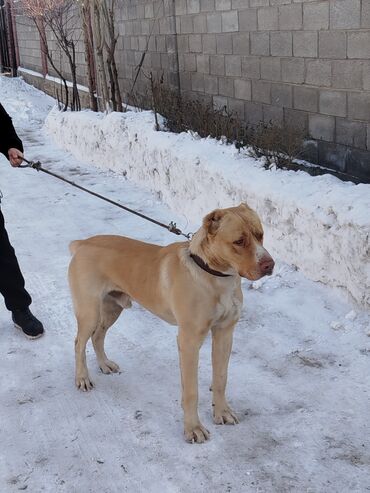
<point>206,267</point>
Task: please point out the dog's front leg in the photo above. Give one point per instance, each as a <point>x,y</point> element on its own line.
<point>222,339</point>
<point>189,342</point>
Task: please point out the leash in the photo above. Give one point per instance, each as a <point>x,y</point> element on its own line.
<point>171,227</point>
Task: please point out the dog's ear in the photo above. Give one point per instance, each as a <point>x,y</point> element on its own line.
<point>212,221</point>
<point>244,205</point>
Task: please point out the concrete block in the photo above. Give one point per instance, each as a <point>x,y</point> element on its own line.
<point>253,113</point>
<point>238,4</point>
<point>258,3</point>
<point>305,98</point>
<point>197,82</point>
<point>233,66</point>
<point>248,20</point>
<point>273,114</point>
<point>200,23</point>
<point>211,84</point>
<point>209,44</point>
<point>183,43</point>
<point>261,91</point>
<point>152,44</point>
<point>357,163</point>
<point>241,44</point>
<point>149,11</point>
<point>267,19</point>
<point>236,106</point>
<point>290,17</point>
<point>223,4</point>
<point>217,64</point>
<point>214,22</point>
<point>280,2</point>
<point>359,106</point>
<point>295,118</point>
<point>345,14</point>
<point>226,86</point>
<point>333,102</point>
<point>224,44</point>
<point>243,89</point>
<point>230,21</point>
<point>164,61</point>
<point>316,16</point>
<point>270,69</point>
<point>350,133</point>
<point>190,63</point>
<point>207,5</point>
<point>366,75</point>
<point>281,44</point>
<point>332,44</point>
<point>359,44</point>
<point>195,43</point>
<point>321,127</point>
<point>181,7</point>
<point>347,74</point>
<point>293,70</point>
<point>251,67</point>
<point>332,155</point>
<point>282,95</point>
<point>219,102</point>
<point>193,6</point>
<point>365,14</point>
<point>203,64</point>
<point>260,43</point>
<point>186,24</point>
<point>305,43</point>
<point>318,72</point>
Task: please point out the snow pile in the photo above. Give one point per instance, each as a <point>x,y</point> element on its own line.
<point>320,224</point>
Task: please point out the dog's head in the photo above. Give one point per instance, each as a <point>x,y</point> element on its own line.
<point>233,238</point>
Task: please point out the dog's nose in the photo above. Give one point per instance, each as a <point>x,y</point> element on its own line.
<point>267,266</point>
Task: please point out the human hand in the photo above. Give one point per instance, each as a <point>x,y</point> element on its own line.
<point>15,157</point>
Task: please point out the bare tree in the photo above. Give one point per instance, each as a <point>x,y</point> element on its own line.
<point>85,10</point>
<point>34,10</point>
<point>108,8</point>
<point>57,16</point>
<point>99,40</point>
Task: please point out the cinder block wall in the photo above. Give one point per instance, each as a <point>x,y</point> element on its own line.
<point>303,62</point>
<point>28,44</point>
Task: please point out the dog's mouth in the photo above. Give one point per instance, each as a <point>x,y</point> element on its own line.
<point>255,275</point>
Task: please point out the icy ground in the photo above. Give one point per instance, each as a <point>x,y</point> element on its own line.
<point>298,380</point>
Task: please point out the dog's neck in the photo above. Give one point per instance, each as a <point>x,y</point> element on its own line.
<point>202,256</point>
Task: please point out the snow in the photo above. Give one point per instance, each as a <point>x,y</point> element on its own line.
<point>57,80</point>
<point>320,224</point>
<point>299,387</point>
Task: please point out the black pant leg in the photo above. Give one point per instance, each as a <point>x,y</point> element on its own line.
<point>11,279</point>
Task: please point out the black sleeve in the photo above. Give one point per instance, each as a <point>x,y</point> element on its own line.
<point>8,136</point>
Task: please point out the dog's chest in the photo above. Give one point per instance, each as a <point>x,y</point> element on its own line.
<point>228,307</point>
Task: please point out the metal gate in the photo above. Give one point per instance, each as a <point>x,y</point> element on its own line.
<point>7,48</point>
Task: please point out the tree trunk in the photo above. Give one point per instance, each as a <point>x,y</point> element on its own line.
<point>99,44</point>
<point>89,54</point>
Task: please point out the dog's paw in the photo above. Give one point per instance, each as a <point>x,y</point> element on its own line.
<point>108,367</point>
<point>84,383</point>
<point>224,416</point>
<point>196,434</point>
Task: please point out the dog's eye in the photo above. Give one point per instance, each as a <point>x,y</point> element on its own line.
<point>259,236</point>
<point>239,242</point>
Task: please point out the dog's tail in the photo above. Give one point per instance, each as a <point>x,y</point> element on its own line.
<point>74,245</point>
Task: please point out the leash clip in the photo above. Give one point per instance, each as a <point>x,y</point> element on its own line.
<point>31,164</point>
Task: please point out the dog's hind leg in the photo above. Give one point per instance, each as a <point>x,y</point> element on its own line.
<point>111,308</point>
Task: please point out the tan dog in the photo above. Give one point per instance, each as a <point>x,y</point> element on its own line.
<point>195,285</point>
